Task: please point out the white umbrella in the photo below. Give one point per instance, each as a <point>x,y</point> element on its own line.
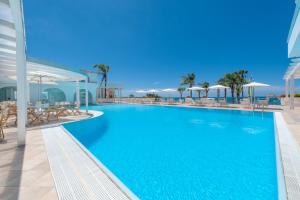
<point>196,88</point>
<point>256,84</point>
<point>141,91</point>
<point>169,90</point>
<point>252,85</point>
<point>152,91</point>
<point>218,87</point>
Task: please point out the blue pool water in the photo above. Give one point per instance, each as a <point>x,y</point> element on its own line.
<point>184,153</point>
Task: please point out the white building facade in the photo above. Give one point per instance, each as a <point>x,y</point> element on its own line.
<point>293,71</point>
<point>29,80</point>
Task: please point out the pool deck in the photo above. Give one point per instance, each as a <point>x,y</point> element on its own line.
<point>50,165</point>
<point>25,172</point>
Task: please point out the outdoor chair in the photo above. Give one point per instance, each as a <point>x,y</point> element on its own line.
<point>3,116</point>
<point>171,101</point>
<point>189,101</point>
<point>56,111</point>
<point>245,103</point>
<point>75,110</point>
<point>11,112</point>
<point>222,102</point>
<point>198,102</point>
<point>35,115</point>
<point>262,104</point>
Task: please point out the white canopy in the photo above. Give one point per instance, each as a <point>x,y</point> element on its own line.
<point>255,84</point>
<point>152,91</point>
<point>196,88</point>
<point>9,25</point>
<point>169,90</point>
<point>292,71</point>
<point>141,91</point>
<point>218,87</point>
<point>14,62</point>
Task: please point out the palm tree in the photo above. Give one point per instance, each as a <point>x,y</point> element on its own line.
<point>189,80</point>
<point>103,71</point>
<point>181,90</point>
<point>205,85</point>
<point>230,80</point>
<point>238,85</point>
<point>222,81</point>
<point>240,81</point>
<point>243,74</point>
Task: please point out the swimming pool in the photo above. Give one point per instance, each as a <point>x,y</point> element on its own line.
<point>184,153</point>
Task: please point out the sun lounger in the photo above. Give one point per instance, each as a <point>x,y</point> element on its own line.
<point>245,103</point>
<point>171,101</point>
<point>189,101</point>
<point>11,112</point>
<point>222,102</point>
<point>35,115</point>
<point>57,111</point>
<point>3,116</point>
<point>262,104</point>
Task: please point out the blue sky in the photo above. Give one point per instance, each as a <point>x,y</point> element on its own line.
<point>152,43</point>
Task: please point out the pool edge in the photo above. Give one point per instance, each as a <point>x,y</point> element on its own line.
<point>101,166</point>
<point>288,160</point>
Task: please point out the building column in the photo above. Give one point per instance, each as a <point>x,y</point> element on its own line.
<point>28,92</point>
<point>286,99</point>
<point>292,92</point>
<point>77,94</point>
<point>17,13</point>
<point>86,96</point>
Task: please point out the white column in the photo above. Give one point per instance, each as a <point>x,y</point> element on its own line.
<point>86,96</point>
<point>286,99</point>
<point>16,8</point>
<point>77,94</point>
<point>28,92</point>
<point>292,93</point>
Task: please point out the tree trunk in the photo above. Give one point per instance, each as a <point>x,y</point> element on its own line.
<point>105,83</point>
<point>199,94</point>
<point>225,94</point>
<point>232,95</point>
<point>242,93</point>
<point>238,97</point>
<point>191,92</point>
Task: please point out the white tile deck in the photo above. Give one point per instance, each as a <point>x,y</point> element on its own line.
<point>76,174</point>
<point>290,155</point>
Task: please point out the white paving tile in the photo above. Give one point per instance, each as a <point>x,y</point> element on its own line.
<point>290,157</point>
<point>76,174</point>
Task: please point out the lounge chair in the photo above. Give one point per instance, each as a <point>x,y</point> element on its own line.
<point>222,103</point>
<point>11,112</point>
<point>35,115</point>
<point>262,104</point>
<point>57,111</point>
<point>171,101</point>
<point>3,117</point>
<point>75,110</point>
<point>198,102</point>
<point>189,101</point>
<point>245,103</point>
